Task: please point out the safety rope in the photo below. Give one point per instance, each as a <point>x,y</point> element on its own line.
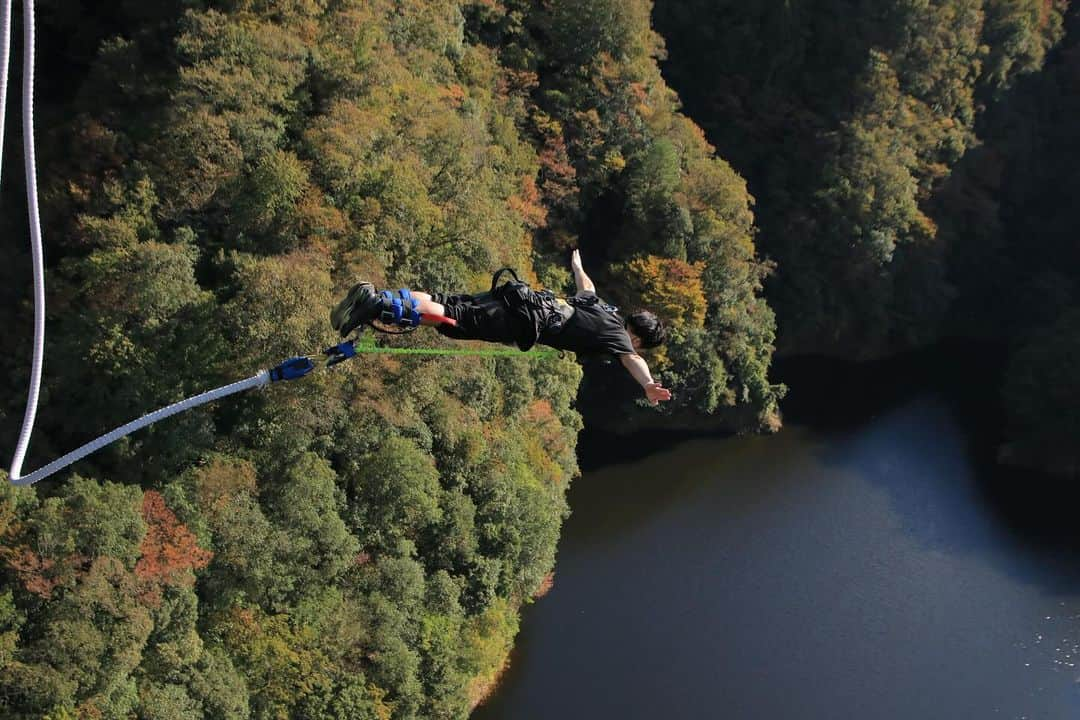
<point>37,255</point>
<point>35,216</point>
<point>5,52</point>
<point>108,438</point>
<point>371,348</point>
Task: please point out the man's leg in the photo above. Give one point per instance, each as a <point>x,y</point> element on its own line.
<point>427,308</point>
<point>364,304</point>
<point>478,317</point>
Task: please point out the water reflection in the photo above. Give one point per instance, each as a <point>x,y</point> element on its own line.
<point>857,572</point>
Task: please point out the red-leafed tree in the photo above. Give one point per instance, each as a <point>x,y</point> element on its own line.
<point>34,571</point>
<point>169,553</point>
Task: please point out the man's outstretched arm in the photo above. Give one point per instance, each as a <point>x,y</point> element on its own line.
<point>583,282</point>
<point>639,369</point>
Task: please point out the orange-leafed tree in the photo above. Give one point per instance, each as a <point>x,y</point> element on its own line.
<point>670,287</point>
<point>169,553</point>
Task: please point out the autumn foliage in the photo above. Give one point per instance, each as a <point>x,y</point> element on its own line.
<point>169,553</point>
<point>671,287</point>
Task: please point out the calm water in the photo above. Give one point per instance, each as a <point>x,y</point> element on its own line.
<point>864,571</point>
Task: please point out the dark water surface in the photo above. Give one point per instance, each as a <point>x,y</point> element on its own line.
<point>867,569</point>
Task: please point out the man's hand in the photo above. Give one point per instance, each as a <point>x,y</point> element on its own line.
<point>657,393</point>
<point>583,282</point>
<point>639,370</point>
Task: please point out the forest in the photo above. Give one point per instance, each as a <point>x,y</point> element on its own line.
<point>913,165</point>
<point>215,175</point>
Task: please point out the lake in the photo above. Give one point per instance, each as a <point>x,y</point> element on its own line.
<point>865,564</point>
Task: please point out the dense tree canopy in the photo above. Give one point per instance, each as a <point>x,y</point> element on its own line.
<point>1011,225</point>
<point>846,118</point>
<point>914,170</point>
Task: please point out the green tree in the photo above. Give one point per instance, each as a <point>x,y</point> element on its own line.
<point>394,496</point>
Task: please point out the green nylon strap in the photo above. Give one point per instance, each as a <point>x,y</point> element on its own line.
<point>370,347</point>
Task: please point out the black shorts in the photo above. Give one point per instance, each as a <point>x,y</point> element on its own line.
<point>479,317</point>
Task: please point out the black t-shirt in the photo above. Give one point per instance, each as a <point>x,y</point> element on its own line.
<point>594,327</point>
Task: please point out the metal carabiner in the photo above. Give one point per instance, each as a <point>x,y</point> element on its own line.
<point>340,352</point>
<point>292,369</point>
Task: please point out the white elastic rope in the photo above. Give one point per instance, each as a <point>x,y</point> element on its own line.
<point>94,445</point>
<point>39,278</point>
<point>5,52</point>
<point>35,226</point>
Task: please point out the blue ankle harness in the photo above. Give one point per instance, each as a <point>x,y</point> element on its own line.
<point>399,308</point>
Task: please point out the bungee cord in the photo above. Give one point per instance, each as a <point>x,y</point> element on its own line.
<point>371,347</point>
<point>149,419</point>
<point>35,218</point>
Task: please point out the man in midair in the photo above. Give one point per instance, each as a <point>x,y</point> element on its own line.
<point>514,313</point>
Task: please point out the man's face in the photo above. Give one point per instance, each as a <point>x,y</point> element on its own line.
<point>635,341</point>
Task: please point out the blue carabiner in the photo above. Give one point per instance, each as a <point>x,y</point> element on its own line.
<point>292,369</point>
<point>339,353</point>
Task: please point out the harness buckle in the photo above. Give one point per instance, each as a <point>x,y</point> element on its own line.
<point>339,353</point>
<point>292,369</point>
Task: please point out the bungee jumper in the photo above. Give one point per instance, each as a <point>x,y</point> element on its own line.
<point>515,313</point>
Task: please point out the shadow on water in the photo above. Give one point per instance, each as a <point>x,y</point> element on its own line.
<point>613,507</point>
<point>600,455</point>
<point>945,402</point>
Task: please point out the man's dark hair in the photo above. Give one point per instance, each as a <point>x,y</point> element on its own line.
<point>648,327</point>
